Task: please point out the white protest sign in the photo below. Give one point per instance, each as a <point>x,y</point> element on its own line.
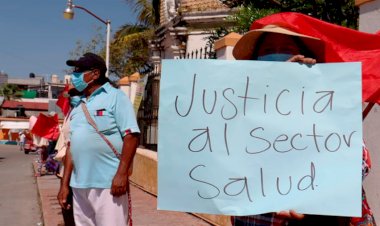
<point>250,137</point>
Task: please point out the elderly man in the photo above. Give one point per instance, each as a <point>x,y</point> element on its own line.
<point>103,140</point>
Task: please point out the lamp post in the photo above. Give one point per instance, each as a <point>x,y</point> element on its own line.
<point>69,14</point>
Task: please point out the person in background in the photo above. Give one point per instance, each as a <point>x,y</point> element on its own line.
<point>63,144</point>
<point>42,155</point>
<point>22,139</point>
<point>98,160</point>
<point>276,43</point>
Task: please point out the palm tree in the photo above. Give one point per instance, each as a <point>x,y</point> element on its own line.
<point>129,50</point>
<point>130,47</point>
<point>148,11</point>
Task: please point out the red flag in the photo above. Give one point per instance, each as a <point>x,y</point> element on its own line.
<point>63,100</point>
<point>340,45</point>
<point>46,126</point>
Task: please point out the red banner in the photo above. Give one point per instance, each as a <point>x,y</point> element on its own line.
<point>340,45</point>
<point>46,126</point>
<point>63,100</point>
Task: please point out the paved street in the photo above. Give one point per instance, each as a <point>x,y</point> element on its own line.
<point>19,203</point>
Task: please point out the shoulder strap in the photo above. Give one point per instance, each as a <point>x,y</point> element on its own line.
<point>93,124</point>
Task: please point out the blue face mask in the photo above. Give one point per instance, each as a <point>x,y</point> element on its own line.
<point>275,57</point>
<point>74,101</point>
<point>78,81</point>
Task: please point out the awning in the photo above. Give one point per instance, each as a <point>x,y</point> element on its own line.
<point>30,94</point>
<point>14,125</point>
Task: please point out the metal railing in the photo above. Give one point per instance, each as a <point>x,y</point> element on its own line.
<point>147,115</point>
<point>202,53</point>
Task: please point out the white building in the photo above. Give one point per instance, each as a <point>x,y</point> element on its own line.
<point>369,18</point>
<point>184,28</point>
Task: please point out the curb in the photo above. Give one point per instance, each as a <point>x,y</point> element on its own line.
<point>47,190</point>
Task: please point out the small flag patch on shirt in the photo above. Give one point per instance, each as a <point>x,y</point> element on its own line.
<point>100,112</point>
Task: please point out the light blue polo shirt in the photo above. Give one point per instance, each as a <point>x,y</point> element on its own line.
<point>95,164</point>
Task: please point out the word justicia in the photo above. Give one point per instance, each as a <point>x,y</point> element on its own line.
<point>229,102</point>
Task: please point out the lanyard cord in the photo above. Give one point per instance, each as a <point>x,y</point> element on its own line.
<point>93,124</point>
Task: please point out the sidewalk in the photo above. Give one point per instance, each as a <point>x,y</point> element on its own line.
<point>144,205</point>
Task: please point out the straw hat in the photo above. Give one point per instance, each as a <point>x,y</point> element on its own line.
<point>244,48</point>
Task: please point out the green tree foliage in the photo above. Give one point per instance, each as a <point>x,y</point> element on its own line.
<point>340,12</point>
<point>246,14</point>
<point>10,91</point>
<point>240,20</point>
<point>148,11</point>
<point>129,50</point>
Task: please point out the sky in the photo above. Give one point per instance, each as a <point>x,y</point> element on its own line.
<point>35,38</point>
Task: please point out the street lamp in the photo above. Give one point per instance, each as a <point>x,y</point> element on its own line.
<point>69,14</point>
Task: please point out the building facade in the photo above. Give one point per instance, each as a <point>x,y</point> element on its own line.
<point>39,96</point>
<point>185,26</point>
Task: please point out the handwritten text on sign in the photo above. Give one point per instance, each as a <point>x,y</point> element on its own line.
<point>245,137</point>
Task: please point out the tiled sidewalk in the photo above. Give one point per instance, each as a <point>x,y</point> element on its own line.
<point>144,210</point>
